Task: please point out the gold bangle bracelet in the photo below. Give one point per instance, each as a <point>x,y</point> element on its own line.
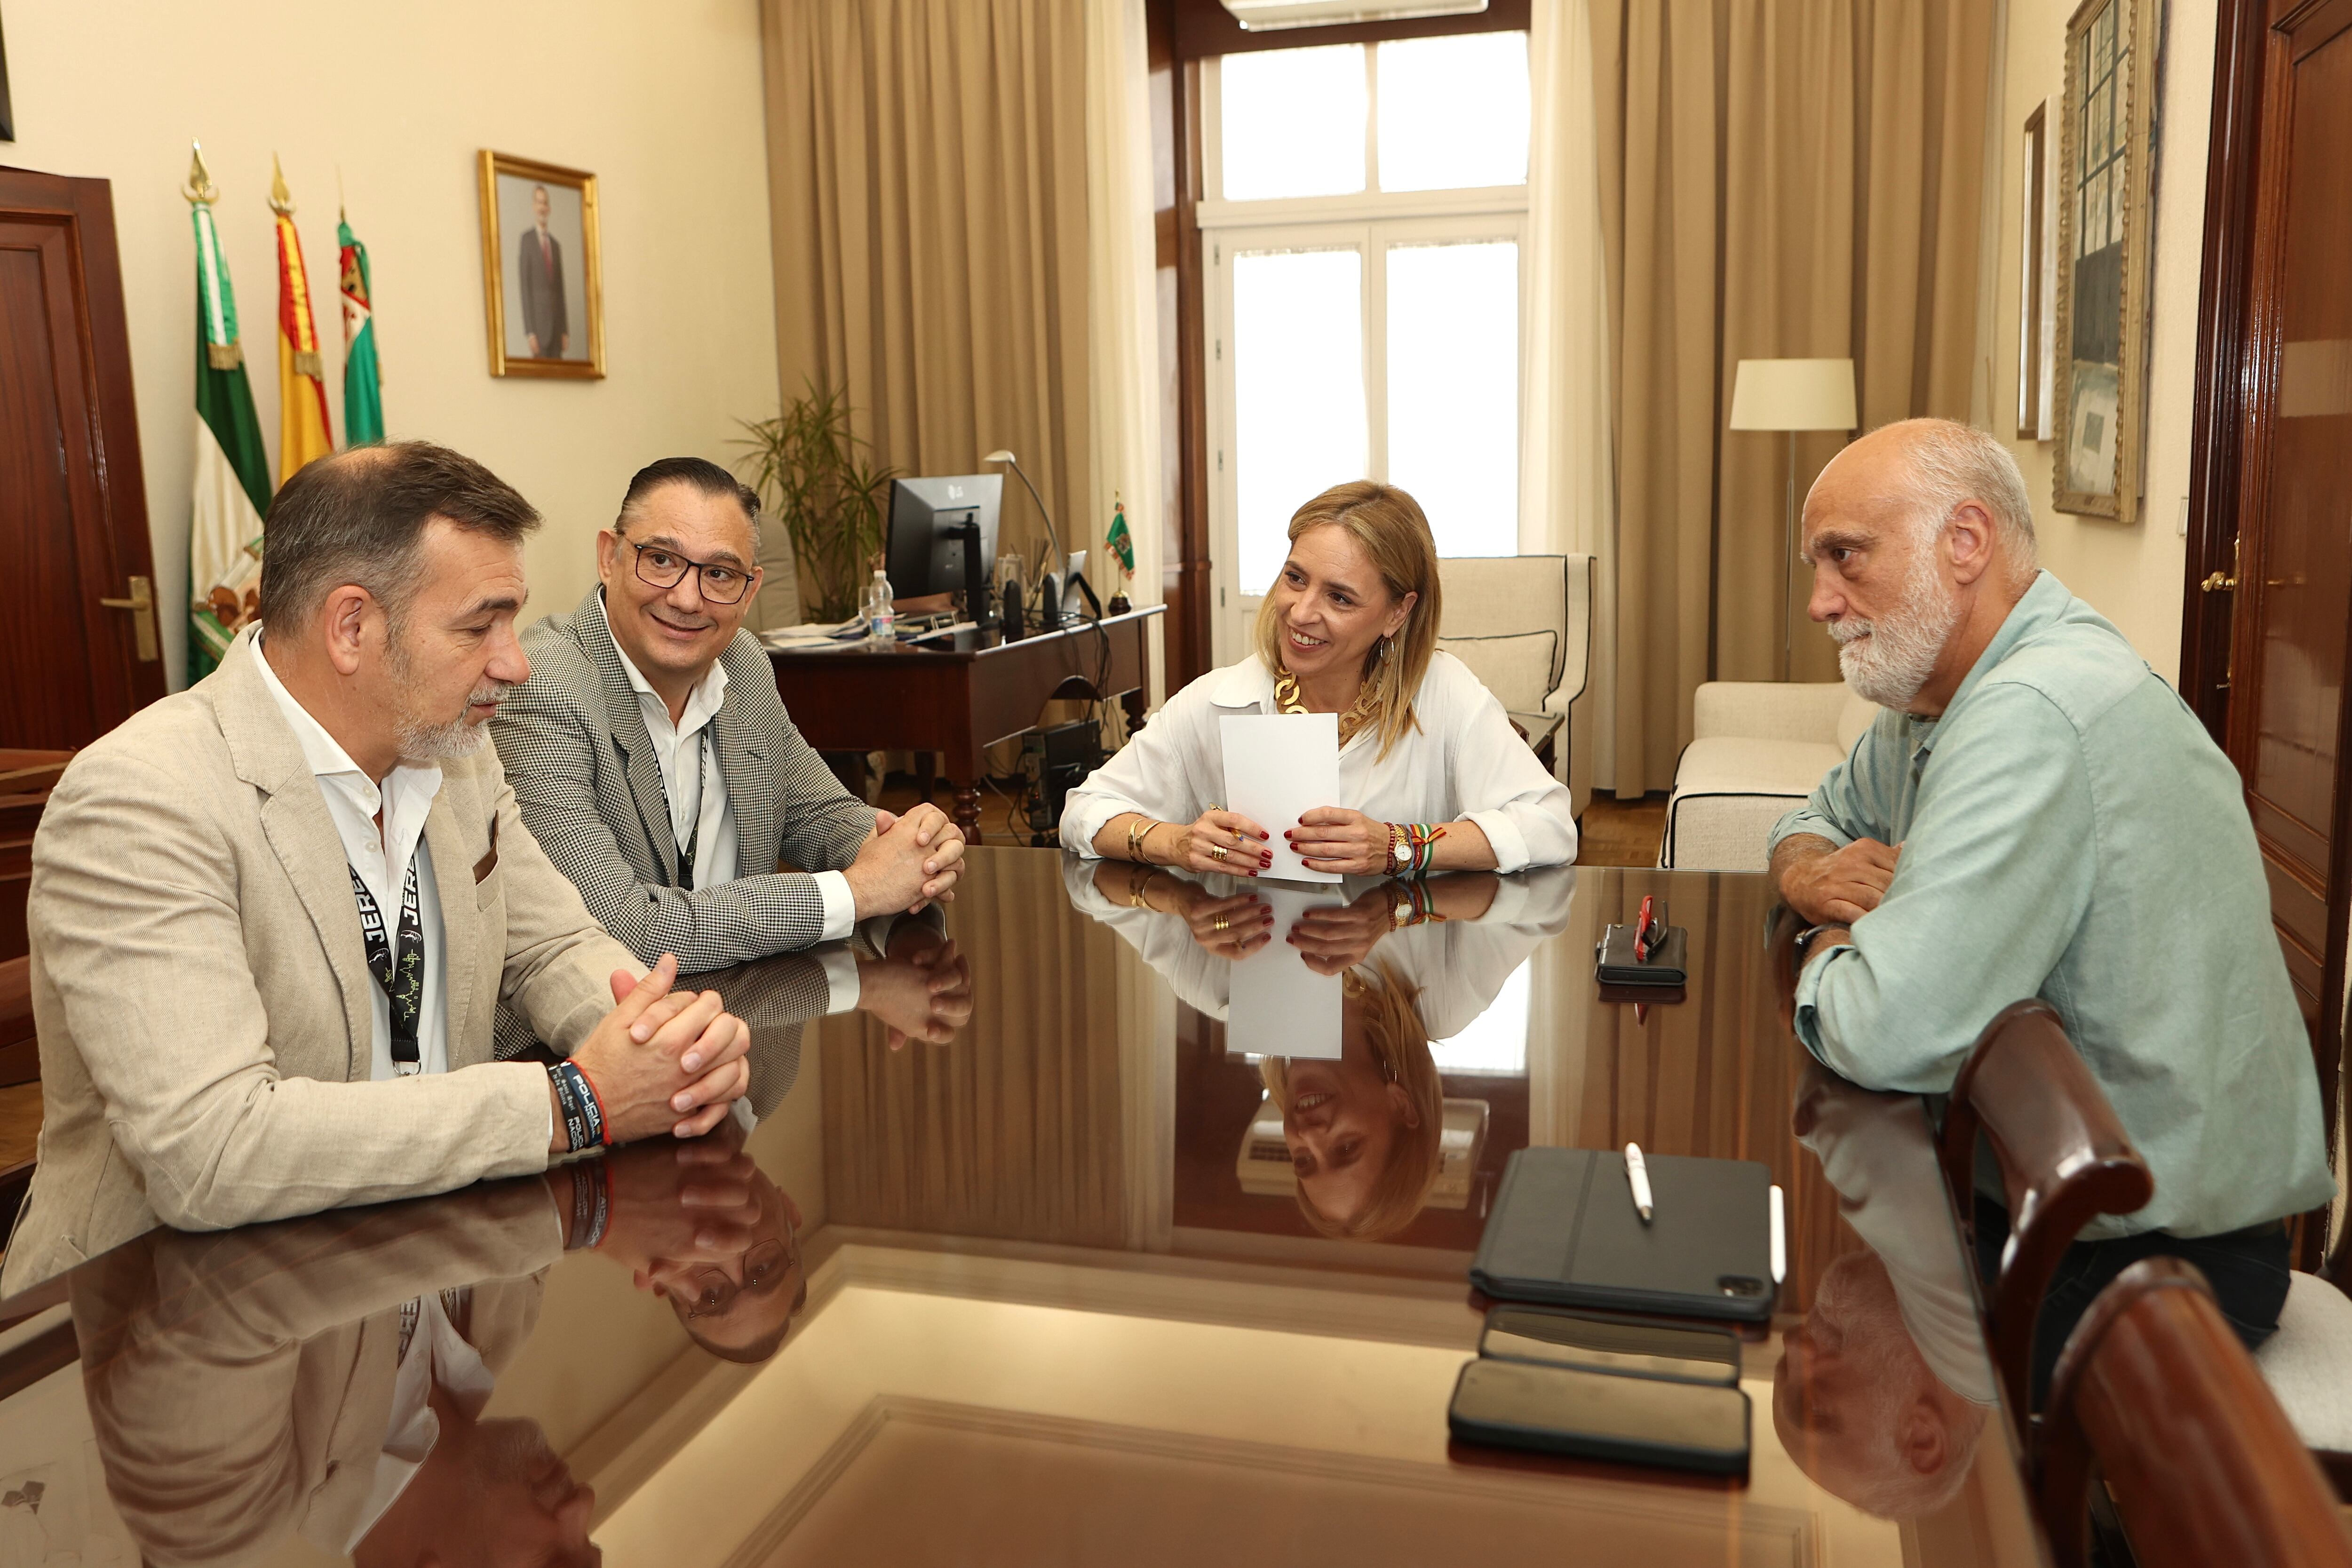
<point>1136,831</point>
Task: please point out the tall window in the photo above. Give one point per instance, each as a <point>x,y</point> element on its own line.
<point>1362,224</point>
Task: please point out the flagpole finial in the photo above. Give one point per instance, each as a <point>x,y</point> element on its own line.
<point>342,210</point>
<point>199,190</point>
<point>281,200</point>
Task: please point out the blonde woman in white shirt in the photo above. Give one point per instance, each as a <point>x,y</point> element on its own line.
<point>1349,627</point>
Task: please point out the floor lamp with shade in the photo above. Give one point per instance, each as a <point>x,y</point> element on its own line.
<point>1792,394</point>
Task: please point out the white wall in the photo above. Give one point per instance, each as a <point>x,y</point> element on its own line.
<point>663,102</point>
<point>2130,571</point>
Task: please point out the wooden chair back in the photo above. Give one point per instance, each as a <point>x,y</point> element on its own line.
<point>2064,1160</point>
<point>2155,1392</point>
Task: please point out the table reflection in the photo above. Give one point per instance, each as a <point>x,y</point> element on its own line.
<point>1359,1140</point>
<point>1883,1392</point>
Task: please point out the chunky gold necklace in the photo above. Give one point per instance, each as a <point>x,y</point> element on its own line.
<point>1286,700</point>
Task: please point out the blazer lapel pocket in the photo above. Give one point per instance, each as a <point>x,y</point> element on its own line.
<point>488,862</point>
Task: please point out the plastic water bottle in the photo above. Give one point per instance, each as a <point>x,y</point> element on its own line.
<point>881,611</point>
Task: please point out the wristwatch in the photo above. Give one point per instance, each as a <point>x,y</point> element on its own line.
<point>1806,938</point>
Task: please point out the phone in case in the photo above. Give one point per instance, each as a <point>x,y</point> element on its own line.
<point>1601,1415</point>
<point>1601,1341</point>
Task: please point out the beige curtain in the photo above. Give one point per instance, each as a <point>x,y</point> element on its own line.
<point>928,167</point>
<point>1779,179</point>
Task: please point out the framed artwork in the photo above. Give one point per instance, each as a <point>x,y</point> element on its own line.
<point>542,282</point>
<point>7,114</point>
<point>2037,283</point>
<point>2103,177</point>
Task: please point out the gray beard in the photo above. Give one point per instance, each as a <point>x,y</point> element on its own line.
<point>1886,661</point>
<point>423,743</point>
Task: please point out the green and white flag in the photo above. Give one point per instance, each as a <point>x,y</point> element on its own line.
<point>232,471</point>
<point>363,376</point>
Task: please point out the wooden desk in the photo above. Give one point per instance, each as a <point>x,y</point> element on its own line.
<point>959,699</point>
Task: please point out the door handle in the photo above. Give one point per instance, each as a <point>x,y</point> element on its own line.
<point>142,605</point>
<point>2218,583</point>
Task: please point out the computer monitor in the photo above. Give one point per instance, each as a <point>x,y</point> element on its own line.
<point>943,537</point>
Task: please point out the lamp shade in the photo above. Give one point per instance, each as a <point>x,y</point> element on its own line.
<point>1793,394</point>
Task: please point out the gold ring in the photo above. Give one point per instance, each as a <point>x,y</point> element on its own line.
<point>1219,923</point>
<point>1218,852</point>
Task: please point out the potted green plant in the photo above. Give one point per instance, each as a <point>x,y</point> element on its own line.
<point>807,466</point>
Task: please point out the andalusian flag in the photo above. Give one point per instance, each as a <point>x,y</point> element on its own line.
<point>232,479</point>
<point>303,432</point>
<point>1119,542</point>
<point>362,376</point>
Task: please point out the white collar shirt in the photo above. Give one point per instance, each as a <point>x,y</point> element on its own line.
<point>688,755</point>
<point>1463,763</point>
<point>354,801</point>
<point>436,1355</point>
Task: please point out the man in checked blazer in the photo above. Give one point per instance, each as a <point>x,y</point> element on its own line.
<point>652,757</point>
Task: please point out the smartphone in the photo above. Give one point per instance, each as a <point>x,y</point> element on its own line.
<point>1599,1416</point>
<point>1597,1341</point>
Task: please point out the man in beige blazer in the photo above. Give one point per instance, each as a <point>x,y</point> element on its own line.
<point>273,916</point>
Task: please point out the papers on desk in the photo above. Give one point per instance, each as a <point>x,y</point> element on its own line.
<point>812,635</point>
<point>1279,765</point>
<point>1274,1005</point>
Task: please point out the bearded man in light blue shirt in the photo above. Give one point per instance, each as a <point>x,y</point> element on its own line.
<point>2037,814</point>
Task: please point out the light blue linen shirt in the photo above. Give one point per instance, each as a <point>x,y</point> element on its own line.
<point>2070,832</point>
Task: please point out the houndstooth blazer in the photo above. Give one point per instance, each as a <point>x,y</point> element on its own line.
<point>576,750</point>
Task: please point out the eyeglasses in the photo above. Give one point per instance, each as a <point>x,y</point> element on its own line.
<point>663,568</point>
<point>715,1291</point>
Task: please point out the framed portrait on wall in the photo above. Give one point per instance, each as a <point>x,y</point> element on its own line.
<point>542,282</point>
<point>2104,235</point>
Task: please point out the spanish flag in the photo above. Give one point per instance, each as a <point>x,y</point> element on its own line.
<point>303,432</point>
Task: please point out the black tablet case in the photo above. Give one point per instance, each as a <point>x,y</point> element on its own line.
<point>1565,1232</point>
<point>1613,963</point>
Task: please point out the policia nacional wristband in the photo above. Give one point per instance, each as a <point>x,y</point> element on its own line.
<point>583,1112</point>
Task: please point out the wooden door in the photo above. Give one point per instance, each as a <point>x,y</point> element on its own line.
<point>2270,583</point>
<point>77,650</point>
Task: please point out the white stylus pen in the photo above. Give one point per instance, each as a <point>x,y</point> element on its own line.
<point>1637,1171</point>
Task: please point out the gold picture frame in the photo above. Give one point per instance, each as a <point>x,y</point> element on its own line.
<point>2103,180</point>
<point>539,255</point>
<point>2037,281</point>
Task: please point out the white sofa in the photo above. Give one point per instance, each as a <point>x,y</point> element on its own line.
<point>1524,626</point>
<point>1758,748</point>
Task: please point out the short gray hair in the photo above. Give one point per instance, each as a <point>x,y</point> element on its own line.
<point>1953,464</point>
<point>360,517</point>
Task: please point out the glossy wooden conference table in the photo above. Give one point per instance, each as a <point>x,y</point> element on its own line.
<point>1046,1320</point>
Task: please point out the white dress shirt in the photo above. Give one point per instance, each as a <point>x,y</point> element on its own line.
<point>1464,762</point>
<point>695,789</point>
<point>436,1353</point>
<point>353,801</point>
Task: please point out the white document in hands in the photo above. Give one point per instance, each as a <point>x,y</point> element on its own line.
<point>1279,765</point>
<point>1274,1005</point>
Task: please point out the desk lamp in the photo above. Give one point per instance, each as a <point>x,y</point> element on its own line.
<point>1792,394</point>
<point>1050,599</point>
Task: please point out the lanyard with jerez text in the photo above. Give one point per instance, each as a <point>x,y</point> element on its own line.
<point>400,973</point>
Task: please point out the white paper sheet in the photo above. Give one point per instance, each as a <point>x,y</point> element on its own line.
<point>1274,1005</point>
<point>1279,765</point>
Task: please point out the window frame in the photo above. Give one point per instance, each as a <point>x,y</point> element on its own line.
<point>1370,221</point>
